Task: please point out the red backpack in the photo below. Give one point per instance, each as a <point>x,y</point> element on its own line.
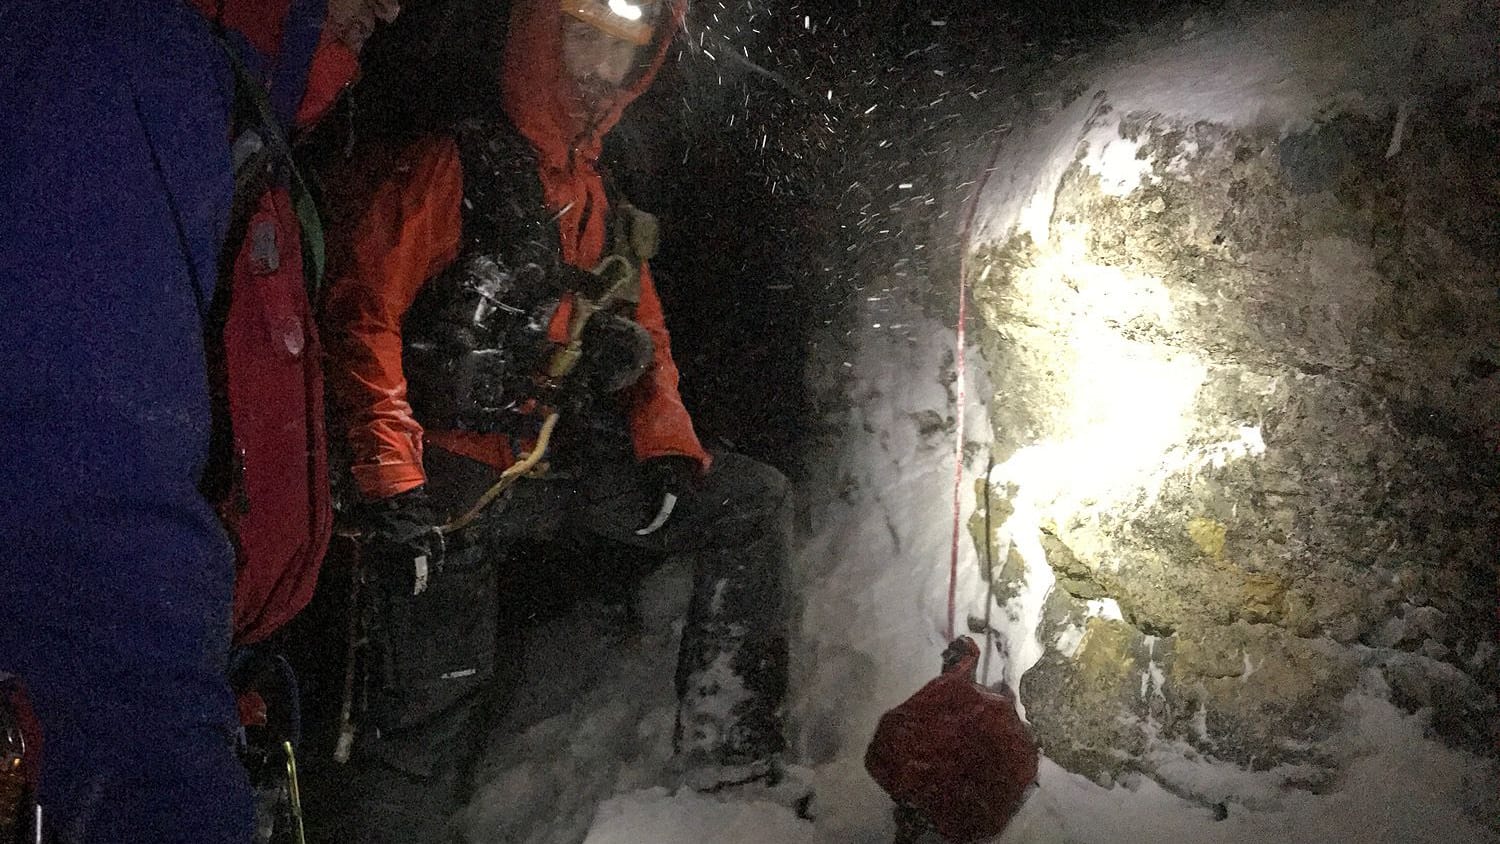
<point>278,509</point>
<point>956,753</point>
<point>274,497</point>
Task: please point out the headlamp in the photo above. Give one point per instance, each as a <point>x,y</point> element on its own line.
<point>628,20</point>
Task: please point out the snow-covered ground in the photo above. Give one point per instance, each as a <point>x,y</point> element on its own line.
<point>585,754</point>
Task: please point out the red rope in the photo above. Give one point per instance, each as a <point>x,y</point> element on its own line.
<point>958,446</point>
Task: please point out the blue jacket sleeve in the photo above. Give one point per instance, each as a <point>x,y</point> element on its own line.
<point>115,187</point>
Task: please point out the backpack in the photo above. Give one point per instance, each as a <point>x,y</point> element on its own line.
<point>956,754</point>
<point>278,508</point>
<point>273,490</point>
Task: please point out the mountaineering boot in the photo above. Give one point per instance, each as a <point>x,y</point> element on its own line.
<point>732,663</point>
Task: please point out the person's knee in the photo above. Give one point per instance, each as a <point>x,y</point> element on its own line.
<point>749,485</point>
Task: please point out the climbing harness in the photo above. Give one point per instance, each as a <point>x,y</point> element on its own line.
<point>623,284</point>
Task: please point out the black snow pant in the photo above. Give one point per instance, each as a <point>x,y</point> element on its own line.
<point>452,658</point>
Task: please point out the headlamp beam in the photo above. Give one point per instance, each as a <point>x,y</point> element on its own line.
<point>621,19</point>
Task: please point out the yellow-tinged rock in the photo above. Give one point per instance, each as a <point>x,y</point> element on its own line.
<point>1208,535</point>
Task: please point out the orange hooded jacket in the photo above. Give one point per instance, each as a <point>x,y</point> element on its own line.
<point>408,229</point>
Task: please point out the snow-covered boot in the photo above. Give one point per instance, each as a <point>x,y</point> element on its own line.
<point>732,664</point>
<point>769,781</point>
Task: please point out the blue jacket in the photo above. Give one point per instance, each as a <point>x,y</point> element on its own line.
<point>115,575</point>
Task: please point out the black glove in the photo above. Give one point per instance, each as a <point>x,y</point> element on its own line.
<point>670,478</point>
<point>573,279</point>
<point>616,352</point>
<point>402,540</point>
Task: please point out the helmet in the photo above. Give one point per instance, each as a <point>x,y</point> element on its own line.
<point>628,20</point>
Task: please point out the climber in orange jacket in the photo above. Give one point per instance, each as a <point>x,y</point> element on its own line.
<point>458,281</point>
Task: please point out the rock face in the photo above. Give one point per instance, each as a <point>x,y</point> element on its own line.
<point>1246,413</point>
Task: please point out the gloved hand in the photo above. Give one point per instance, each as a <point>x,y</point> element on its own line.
<point>402,539</point>
<point>670,477</point>
<point>616,353</point>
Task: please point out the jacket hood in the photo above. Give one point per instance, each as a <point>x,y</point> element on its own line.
<point>536,92</point>
<point>536,89</point>
<point>285,43</point>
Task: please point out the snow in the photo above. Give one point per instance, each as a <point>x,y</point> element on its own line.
<point>1397,786</point>
<point>595,718</point>
<point>878,565</point>
<point>585,754</point>
<point>1068,640</point>
<point>1279,70</point>
<point>659,817</point>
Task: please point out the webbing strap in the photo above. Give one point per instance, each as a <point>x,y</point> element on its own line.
<point>313,251</point>
<point>299,41</point>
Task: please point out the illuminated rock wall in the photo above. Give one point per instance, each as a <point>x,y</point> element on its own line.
<point>1246,418</point>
